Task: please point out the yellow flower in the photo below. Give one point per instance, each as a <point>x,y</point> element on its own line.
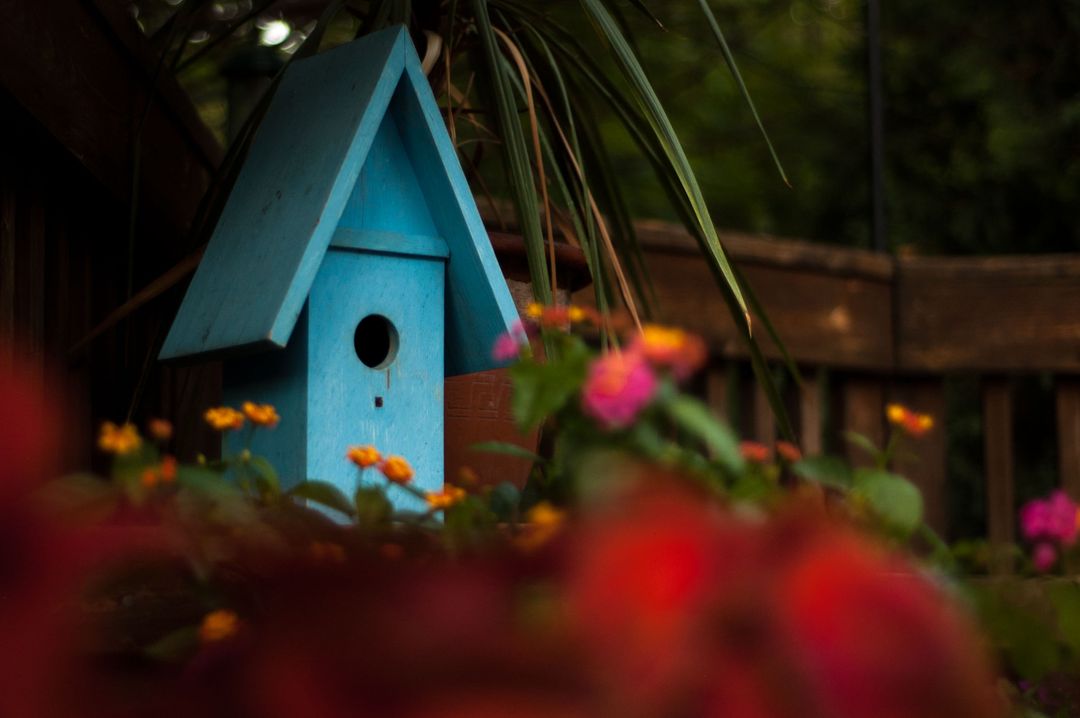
<point>535,310</point>
<point>446,498</point>
<point>119,440</point>
<point>397,469</point>
<point>159,429</point>
<point>672,348</point>
<point>218,625</point>
<point>895,413</point>
<point>261,414</point>
<point>363,456</point>
<point>543,522</point>
<point>224,418</point>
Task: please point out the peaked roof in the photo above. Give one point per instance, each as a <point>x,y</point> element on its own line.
<point>289,197</point>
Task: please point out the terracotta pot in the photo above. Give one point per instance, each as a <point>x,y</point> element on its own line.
<point>477,406</point>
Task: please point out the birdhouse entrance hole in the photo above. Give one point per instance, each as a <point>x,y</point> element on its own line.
<point>375,341</point>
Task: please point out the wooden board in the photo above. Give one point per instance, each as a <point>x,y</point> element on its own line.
<point>989,314</point>
<point>822,319</point>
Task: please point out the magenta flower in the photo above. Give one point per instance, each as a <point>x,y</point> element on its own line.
<point>618,387</point>
<point>508,345</point>
<point>1052,519</point>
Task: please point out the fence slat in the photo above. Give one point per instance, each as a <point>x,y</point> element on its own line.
<point>810,417</point>
<point>716,389</point>
<point>925,460</point>
<point>764,424</point>
<point>1068,425</point>
<point>998,445</point>
<point>863,407</point>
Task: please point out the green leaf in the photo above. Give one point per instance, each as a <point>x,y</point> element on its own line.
<point>729,58</point>
<point>266,477</point>
<point>174,647</point>
<point>829,471</point>
<point>542,389</point>
<point>373,509</point>
<point>516,153</point>
<point>694,417</point>
<point>504,501</point>
<point>856,439</point>
<point>893,498</point>
<point>325,494</point>
<point>507,449</point>
<point>1065,596</point>
<point>658,119</point>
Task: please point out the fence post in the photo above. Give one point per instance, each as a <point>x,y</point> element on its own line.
<point>998,446</point>
<point>863,406</point>
<point>1068,426</point>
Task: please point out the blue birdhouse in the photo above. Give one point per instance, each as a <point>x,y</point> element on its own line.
<point>349,272</point>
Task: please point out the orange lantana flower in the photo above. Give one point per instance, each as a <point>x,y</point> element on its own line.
<point>261,414</point>
<point>119,440</point>
<point>396,469</point>
<point>224,418</point>
<point>446,498</point>
<point>218,625</point>
<point>363,456</point>
<point>910,422</point>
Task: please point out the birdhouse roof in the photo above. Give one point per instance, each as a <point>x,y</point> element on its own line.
<point>291,193</point>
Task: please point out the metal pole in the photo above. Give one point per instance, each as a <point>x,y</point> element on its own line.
<point>875,92</point>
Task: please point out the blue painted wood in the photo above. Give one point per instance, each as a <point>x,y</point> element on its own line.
<point>387,195</point>
<point>478,303</point>
<point>278,221</point>
<point>406,245</point>
<point>342,390</point>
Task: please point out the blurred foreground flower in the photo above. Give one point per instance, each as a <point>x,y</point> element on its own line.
<point>670,348</point>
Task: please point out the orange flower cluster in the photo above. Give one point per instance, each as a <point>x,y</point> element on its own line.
<point>670,348</point>
<point>119,440</point>
<point>757,453</point>
<point>449,496</point>
<point>542,523</point>
<point>159,429</point>
<point>261,414</point>
<point>910,422</point>
<point>218,625</point>
<point>224,418</point>
<point>561,316</point>
<point>363,456</point>
<point>397,470</point>
<point>165,473</point>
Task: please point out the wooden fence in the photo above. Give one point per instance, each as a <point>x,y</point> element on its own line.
<point>889,329</point>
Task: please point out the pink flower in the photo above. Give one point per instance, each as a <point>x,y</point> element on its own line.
<point>1052,519</point>
<point>1044,556</point>
<point>618,387</point>
<point>508,346</point>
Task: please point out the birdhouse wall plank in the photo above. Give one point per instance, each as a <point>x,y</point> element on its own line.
<point>396,407</point>
<point>387,195</point>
